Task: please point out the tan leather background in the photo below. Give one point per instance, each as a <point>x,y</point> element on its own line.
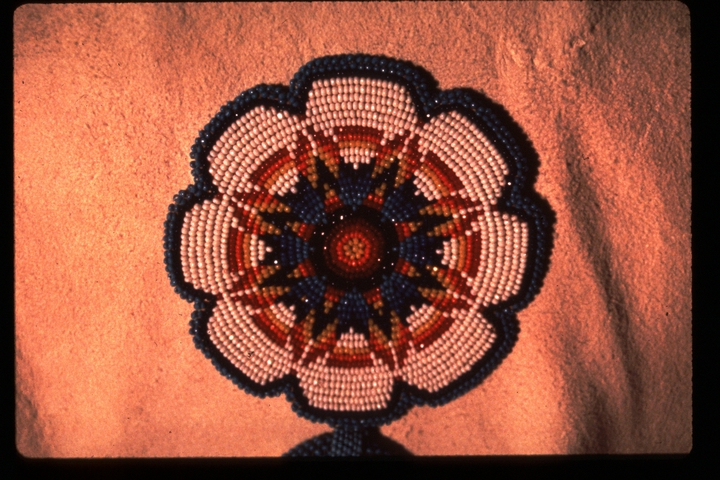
<point>109,100</point>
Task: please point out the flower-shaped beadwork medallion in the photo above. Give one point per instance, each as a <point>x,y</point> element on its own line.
<point>359,241</point>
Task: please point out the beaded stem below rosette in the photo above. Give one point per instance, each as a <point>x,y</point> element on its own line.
<point>359,241</point>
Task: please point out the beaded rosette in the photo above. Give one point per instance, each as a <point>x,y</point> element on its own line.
<point>359,241</point>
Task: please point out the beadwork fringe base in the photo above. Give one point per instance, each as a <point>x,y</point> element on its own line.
<point>349,442</point>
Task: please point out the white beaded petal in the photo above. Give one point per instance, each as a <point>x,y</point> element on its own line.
<point>346,389</point>
<point>237,336</point>
<point>502,259</point>
<point>454,353</point>
<point>379,104</point>
<point>250,141</point>
<point>467,151</point>
<point>204,246</point>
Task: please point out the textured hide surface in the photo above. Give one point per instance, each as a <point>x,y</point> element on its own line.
<point>109,99</point>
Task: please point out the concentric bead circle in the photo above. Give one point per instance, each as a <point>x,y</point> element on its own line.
<point>354,249</point>
<point>350,245</point>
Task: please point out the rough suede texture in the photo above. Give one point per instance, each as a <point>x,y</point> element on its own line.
<point>110,98</point>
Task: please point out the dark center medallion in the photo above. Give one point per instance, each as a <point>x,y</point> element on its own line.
<point>355,247</point>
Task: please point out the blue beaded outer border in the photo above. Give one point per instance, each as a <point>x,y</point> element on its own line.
<point>518,198</point>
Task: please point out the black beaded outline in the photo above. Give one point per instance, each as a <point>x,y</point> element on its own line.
<point>518,198</point>
<point>366,443</point>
